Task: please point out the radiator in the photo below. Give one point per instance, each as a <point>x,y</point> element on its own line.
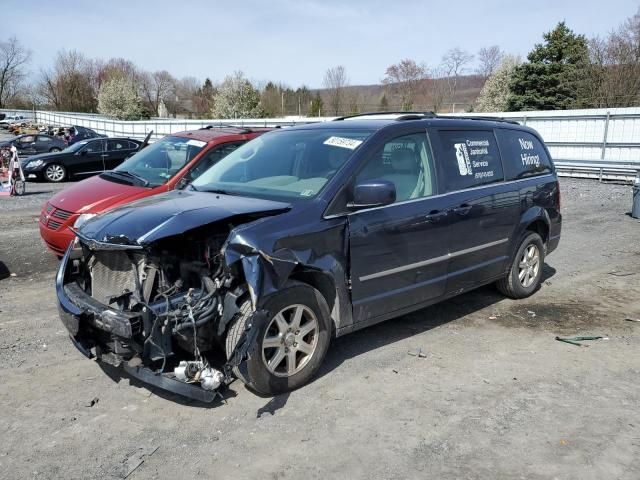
<point>112,274</point>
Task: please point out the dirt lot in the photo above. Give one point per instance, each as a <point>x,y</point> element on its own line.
<point>495,397</point>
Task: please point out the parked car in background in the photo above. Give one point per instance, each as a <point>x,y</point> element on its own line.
<point>169,163</point>
<point>9,119</point>
<point>33,144</point>
<point>304,234</point>
<point>78,134</point>
<point>80,160</point>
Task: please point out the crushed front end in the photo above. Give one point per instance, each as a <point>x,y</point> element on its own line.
<point>158,311</point>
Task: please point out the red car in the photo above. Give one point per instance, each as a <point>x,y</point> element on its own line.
<point>172,162</point>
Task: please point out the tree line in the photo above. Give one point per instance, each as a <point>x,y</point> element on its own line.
<point>566,70</point>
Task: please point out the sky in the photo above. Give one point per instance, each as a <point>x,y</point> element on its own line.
<point>289,41</point>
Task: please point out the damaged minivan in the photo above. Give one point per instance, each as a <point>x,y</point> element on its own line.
<point>304,234</point>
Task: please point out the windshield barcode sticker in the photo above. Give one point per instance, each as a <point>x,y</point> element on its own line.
<point>349,143</point>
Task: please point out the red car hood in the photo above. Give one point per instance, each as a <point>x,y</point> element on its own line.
<point>95,195</point>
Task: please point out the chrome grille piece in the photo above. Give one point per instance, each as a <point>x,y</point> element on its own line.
<point>112,274</point>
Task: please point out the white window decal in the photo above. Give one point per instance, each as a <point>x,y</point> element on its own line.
<point>462,155</point>
<point>196,143</point>
<point>349,143</point>
<point>527,158</point>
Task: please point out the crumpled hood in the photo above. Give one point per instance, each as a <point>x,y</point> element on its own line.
<point>93,195</point>
<point>172,213</point>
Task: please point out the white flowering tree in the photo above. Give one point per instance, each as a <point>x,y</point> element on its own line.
<point>494,95</point>
<point>118,98</point>
<point>236,98</point>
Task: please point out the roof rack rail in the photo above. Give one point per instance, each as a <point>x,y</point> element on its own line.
<point>480,117</point>
<point>403,115</point>
<point>244,129</point>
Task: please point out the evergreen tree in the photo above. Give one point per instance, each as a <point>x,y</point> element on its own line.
<point>550,80</point>
<point>384,103</point>
<point>316,106</point>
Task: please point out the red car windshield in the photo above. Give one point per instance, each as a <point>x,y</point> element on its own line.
<point>161,160</point>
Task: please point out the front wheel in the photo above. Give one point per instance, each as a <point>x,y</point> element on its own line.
<point>55,173</point>
<point>292,342</point>
<point>526,268</point>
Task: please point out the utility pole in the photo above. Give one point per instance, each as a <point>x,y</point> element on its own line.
<point>283,103</point>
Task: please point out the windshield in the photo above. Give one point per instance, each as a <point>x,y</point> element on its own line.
<point>161,160</point>
<point>75,147</point>
<point>283,164</point>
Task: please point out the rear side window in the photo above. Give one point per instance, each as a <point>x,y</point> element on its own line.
<point>523,154</point>
<point>469,158</point>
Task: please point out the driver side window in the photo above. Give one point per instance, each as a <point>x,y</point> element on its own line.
<point>406,162</point>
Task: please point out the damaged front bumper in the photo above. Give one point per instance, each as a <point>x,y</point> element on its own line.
<point>107,335</point>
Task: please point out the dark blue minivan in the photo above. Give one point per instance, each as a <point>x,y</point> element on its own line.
<point>303,234</point>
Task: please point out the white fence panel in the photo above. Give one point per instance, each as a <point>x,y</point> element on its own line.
<point>611,135</point>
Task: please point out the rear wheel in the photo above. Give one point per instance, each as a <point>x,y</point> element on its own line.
<point>55,173</point>
<point>292,342</point>
<point>526,268</point>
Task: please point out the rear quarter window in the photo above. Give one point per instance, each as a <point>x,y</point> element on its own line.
<point>523,154</point>
<point>469,158</point>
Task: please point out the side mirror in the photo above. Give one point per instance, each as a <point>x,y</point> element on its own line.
<point>82,153</point>
<point>373,193</point>
<point>182,183</point>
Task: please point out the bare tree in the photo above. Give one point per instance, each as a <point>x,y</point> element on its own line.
<point>158,87</point>
<point>405,79</point>
<point>454,64</point>
<point>438,88</point>
<point>614,76</point>
<point>13,61</point>
<point>115,68</point>
<point>69,84</point>
<point>489,58</point>
<point>335,81</point>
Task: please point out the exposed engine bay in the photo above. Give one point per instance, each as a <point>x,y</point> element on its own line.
<point>167,305</point>
<point>175,289</point>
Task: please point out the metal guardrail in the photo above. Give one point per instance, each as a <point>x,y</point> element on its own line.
<point>602,170</point>
<point>598,143</point>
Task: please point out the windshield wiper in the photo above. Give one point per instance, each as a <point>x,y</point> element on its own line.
<point>219,191</point>
<point>125,173</point>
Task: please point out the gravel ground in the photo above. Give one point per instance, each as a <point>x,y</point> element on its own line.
<point>495,396</point>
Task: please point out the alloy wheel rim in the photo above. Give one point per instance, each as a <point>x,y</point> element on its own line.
<point>55,173</point>
<point>290,340</point>
<point>529,266</point>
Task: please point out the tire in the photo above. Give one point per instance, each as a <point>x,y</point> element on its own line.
<point>286,365</point>
<point>19,188</point>
<point>524,273</point>
<point>54,150</point>
<point>55,173</point>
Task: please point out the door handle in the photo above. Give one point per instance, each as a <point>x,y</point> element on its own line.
<point>463,209</point>
<point>435,216</point>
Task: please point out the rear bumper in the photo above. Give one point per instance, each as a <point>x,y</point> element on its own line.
<point>555,231</point>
